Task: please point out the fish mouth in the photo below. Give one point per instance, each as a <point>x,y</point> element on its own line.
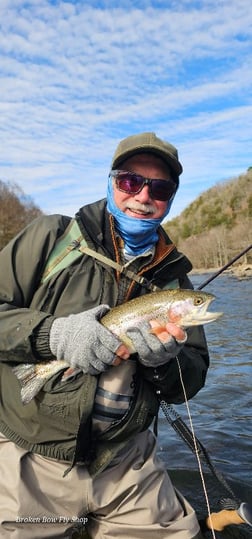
<point>200,315</point>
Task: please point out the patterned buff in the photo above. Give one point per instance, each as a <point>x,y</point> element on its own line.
<point>139,235</point>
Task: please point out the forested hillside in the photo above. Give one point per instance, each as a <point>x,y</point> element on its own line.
<point>16,211</point>
<point>217,225</point>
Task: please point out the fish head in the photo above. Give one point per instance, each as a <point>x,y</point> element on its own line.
<point>190,308</point>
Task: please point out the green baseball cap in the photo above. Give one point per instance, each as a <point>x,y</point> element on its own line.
<point>150,143</point>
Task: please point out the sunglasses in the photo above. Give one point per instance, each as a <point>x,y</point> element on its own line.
<point>132,183</point>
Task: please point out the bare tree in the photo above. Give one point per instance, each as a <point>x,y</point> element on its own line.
<point>16,211</point>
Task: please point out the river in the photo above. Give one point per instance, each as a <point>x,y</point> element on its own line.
<point>221,412</point>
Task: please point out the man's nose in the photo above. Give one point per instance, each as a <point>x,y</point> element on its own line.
<point>144,195</point>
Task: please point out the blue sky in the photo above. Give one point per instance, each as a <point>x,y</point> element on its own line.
<point>78,76</point>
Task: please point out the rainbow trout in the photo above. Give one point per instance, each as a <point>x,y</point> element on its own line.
<point>184,308</point>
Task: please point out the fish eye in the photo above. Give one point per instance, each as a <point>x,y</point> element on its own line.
<point>198,300</point>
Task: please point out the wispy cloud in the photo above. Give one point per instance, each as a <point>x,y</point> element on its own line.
<point>77,77</point>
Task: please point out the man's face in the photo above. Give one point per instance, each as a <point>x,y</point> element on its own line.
<point>142,205</point>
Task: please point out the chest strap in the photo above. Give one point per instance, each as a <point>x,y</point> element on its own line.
<point>72,245</point>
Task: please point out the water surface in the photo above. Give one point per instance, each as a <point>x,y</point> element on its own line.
<point>221,412</point>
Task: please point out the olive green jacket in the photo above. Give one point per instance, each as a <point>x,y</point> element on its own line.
<point>57,422</point>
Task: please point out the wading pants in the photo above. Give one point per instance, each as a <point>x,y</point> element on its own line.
<point>133,498</point>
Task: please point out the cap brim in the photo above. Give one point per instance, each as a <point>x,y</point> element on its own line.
<point>168,158</point>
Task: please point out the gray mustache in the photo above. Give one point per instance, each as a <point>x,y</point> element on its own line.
<point>141,207</point>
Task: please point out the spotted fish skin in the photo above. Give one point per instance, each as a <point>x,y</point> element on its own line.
<point>184,308</point>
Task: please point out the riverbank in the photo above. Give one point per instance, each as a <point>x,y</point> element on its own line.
<point>241,271</point>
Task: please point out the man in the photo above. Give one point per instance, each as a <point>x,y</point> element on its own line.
<point>82,447</point>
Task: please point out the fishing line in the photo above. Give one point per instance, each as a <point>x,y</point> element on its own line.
<point>196,450</point>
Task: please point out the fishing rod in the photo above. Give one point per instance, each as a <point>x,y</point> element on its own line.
<point>234,511</point>
<point>226,266</point>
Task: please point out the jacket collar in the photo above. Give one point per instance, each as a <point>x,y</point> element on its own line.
<point>94,221</point>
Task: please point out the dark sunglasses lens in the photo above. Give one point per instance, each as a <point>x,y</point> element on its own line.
<point>132,183</point>
<point>162,189</point>
<point>129,183</point>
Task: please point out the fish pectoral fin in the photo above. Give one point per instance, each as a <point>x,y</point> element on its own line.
<point>157,330</point>
<point>173,317</point>
<point>160,330</point>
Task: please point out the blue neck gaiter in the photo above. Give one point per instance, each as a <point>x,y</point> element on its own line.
<point>139,235</point>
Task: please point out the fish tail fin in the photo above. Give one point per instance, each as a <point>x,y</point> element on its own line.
<point>30,381</point>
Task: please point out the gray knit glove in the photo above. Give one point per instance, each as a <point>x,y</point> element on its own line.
<point>152,352</point>
<point>83,342</point>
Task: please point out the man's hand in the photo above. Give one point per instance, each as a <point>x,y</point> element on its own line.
<point>157,344</point>
<point>86,344</point>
